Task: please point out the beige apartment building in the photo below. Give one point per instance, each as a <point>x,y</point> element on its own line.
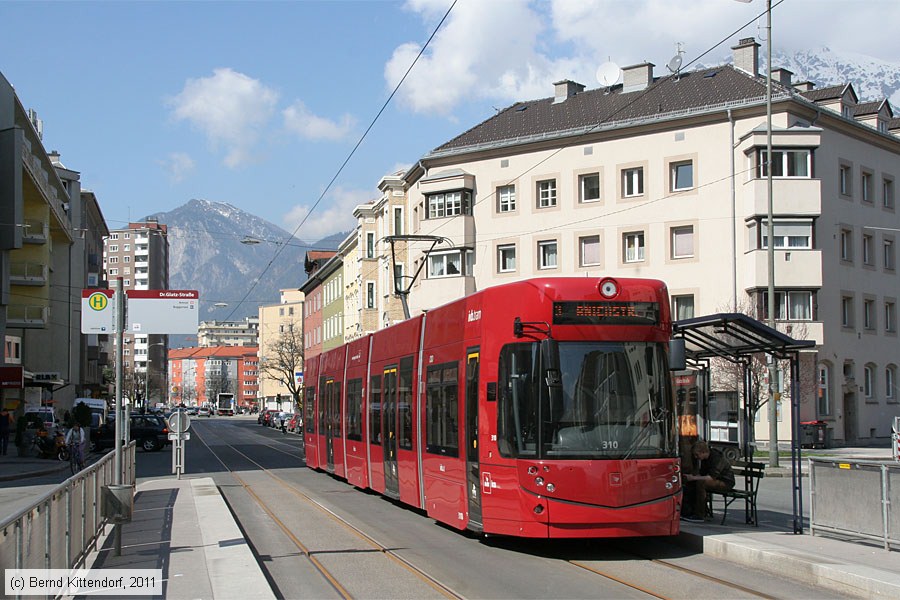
<point>228,333</point>
<point>139,254</point>
<point>275,322</point>
<point>665,177</point>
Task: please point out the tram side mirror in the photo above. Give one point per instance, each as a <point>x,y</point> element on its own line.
<point>492,391</point>
<point>677,355</point>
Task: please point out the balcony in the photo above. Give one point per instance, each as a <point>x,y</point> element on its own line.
<point>791,197</point>
<point>459,229</point>
<point>793,268</point>
<point>27,273</point>
<point>434,292</point>
<point>27,317</point>
<point>35,232</point>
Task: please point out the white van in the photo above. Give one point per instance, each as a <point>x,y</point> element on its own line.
<point>99,409</point>
<point>46,413</point>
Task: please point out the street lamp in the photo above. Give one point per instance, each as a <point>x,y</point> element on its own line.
<point>770,245</point>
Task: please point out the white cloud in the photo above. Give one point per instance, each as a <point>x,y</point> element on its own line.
<point>334,214</point>
<point>230,108</point>
<point>178,165</point>
<point>298,119</point>
<point>513,50</point>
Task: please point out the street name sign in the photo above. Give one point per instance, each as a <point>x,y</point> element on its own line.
<point>163,311</point>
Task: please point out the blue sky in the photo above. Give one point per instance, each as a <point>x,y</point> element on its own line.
<point>258,103</point>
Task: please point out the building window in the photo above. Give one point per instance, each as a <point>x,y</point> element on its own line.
<point>868,257</point>
<point>682,176</point>
<point>845,180</point>
<point>683,242</point>
<point>398,220</point>
<point>890,382</point>
<point>824,390</point>
<point>846,311</point>
<point>789,305</point>
<point>547,258</point>
<point>868,381</point>
<point>114,248</point>
<point>846,245</point>
<point>589,187</point>
<point>793,235</point>
<point>126,259</point>
<point>398,279</point>
<point>506,258</point>
<point>449,204</point>
<point>633,246</point>
<point>785,163</point>
<point>683,307</point>
<point>869,314</point>
<point>633,182</point>
<point>370,294</point>
<point>546,193</point>
<point>866,188</point>
<point>889,255</point>
<point>890,317</point>
<point>114,236</point>
<point>506,198</point>
<point>127,236</point>
<point>370,244</point>
<point>887,193</point>
<point>444,264</point>
<point>589,251</point>
<point>113,271</point>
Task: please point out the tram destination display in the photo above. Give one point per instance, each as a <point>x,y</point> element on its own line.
<point>605,313</point>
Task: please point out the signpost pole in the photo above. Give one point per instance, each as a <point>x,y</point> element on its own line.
<point>120,343</point>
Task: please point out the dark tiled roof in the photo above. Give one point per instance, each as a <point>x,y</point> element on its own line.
<point>833,92</point>
<point>692,90</point>
<point>867,108</point>
<point>894,123</point>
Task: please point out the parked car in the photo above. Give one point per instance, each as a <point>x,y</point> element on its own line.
<point>295,423</point>
<point>204,411</point>
<point>265,417</point>
<point>149,431</point>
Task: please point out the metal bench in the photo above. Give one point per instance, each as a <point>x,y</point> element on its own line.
<point>751,473</point>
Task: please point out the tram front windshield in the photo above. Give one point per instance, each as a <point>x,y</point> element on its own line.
<point>603,400</point>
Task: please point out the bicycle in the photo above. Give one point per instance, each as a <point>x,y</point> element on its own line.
<point>76,461</point>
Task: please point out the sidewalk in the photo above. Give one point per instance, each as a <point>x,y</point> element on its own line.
<point>14,467</point>
<point>184,528</point>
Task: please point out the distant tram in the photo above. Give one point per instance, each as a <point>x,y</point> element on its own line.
<point>541,409</point>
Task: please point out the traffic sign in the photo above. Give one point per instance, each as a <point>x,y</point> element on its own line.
<point>98,311</point>
<point>179,421</point>
<point>180,436</point>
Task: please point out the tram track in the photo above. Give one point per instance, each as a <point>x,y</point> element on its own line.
<point>309,554</point>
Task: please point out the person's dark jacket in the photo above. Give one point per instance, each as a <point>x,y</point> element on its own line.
<point>717,467</point>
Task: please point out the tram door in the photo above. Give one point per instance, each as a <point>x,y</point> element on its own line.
<point>473,476</point>
<point>389,431</point>
<point>332,419</point>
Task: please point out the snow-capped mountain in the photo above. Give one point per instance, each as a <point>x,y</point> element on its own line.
<point>208,252</point>
<point>872,78</point>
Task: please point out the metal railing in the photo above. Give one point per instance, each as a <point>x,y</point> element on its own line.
<point>855,498</point>
<point>60,529</point>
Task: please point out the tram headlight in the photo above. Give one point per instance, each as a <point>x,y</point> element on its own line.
<point>532,470</point>
<point>539,481</point>
<point>551,487</point>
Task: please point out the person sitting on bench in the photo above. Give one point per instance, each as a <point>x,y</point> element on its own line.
<point>712,473</point>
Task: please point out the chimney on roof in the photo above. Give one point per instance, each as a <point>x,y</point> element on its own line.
<point>566,89</point>
<point>804,86</point>
<point>637,77</point>
<point>746,56</point>
<point>782,76</point>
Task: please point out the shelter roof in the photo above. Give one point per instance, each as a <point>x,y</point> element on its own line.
<point>732,336</point>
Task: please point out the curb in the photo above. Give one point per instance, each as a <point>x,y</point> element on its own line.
<point>28,474</point>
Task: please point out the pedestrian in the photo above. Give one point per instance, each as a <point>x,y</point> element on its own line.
<point>6,421</point>
<point>712,473</point>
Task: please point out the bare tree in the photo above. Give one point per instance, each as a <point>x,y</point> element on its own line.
<point>283,359</point>
<point>728,375</point>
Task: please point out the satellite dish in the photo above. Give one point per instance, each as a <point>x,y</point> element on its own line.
<point>675,64</point>
<point>608,74</point>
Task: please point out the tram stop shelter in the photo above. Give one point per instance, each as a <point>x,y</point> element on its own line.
<point>736,338</point>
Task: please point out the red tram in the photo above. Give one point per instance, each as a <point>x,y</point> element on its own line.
<point>541,408</point>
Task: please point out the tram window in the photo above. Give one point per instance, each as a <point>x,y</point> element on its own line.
<point>518,397</point>
<point>442,409</point>
<point>310,409</point>
<point>405,400</point>
<point>354,409</point>
<point>375,410</point>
